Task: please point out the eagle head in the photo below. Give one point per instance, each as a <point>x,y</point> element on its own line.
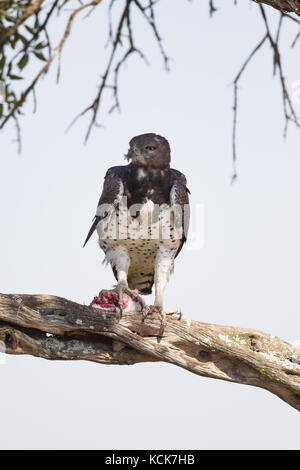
<point>149,150</point>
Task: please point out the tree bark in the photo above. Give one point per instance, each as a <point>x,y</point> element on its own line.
<point>55,328</point>
<point>290,6</point>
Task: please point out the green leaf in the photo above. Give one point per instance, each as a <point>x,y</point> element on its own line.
<point>11,93</point>
<point>23,39</point>
<point>40,56</point>
<point>10,19</point>
<point>13,41</point>
<point>29,29</point>
<point>15,77</point>
<point>40,45</point>
<point>23,61</point>
<point>2,62</point>
<point>1,109</point>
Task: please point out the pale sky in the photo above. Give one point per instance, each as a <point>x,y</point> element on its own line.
<point>246,274</point>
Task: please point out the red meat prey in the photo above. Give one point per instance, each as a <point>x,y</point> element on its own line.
<point>109,301</point>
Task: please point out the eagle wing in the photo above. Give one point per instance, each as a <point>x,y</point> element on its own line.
<point>113,190</point>
<point>179,196</point>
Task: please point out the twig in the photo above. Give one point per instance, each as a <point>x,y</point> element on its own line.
<point>34,7</point>
<point>151,21</point>
<point>212,8</point>
<point>44,69</point>
<point>288,108</point>
<point>123,30</point>
<point>235,103</point>
<point>18,135</point>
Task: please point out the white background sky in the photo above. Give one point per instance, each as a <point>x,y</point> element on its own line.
<point>246,275</point>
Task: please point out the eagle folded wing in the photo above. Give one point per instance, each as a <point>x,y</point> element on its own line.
<point>112,193</point>
<point>179,198</point>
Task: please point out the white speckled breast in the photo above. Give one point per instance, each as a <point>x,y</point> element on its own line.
<point>141,235</point>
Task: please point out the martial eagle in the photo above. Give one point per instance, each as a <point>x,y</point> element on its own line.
<point>142,220</point>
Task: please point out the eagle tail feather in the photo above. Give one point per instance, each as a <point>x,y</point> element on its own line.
<point>96,221</point>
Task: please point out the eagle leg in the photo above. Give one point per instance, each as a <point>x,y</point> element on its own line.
<point>120,290</point>
<point>120,261</point>
<point>164,265</point>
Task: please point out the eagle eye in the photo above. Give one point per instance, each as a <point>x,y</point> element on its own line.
<point>150,147</point>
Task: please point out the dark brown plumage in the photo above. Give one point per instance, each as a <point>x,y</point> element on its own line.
<point>156,185</point>
<point>149,182</point>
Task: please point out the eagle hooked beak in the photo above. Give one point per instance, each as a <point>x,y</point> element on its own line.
<point>131,154</point>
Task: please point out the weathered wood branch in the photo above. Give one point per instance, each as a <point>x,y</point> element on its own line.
<point>291,6</point>
<point>55,328</point>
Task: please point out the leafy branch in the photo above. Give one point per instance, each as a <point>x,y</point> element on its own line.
<point>24,36</point>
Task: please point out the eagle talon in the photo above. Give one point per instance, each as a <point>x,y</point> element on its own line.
<point>135,297</point>
<point>163,324</point>
<point>144,314</point>
<point>147,310</point>
<point>118,314</point>
<point>120,289</point>
<point>176,312</point>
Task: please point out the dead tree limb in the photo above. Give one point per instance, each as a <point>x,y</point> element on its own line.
<point>292,6</point>
<point>55,328</point>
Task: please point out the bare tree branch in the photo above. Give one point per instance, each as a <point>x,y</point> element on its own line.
<point>124,31</point>
<point>212,8</point>
<point>55,328</point>
<point>45,68</point>
<point>235,103</point>
<point>292,6</point>
<point>288,107</point>
<point>289,111</point>
<point>122,46</point>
